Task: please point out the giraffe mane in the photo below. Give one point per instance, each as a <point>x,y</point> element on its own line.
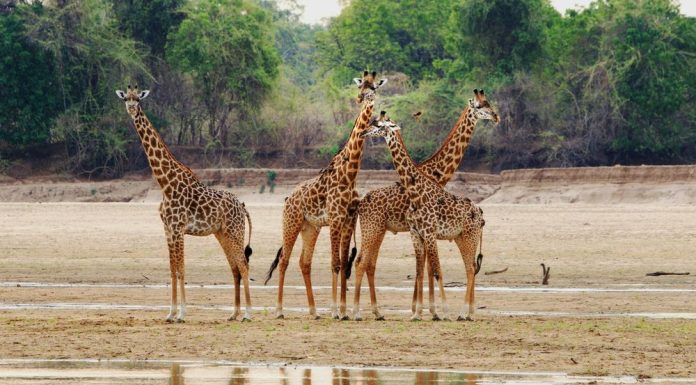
<point>450,136</point>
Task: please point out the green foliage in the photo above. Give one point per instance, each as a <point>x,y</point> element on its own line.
<point>149,21</point>
<point>29,93</point>
<point>227,47</point>
<point>245,81</point>
<point>404,36</point>
<point>498,35</point>
<point>628,69</point>
<point>91,57</point>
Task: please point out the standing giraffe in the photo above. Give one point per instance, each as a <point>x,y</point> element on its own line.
<point>433,214</point>
<point>328,199</point>
<point>385,209</point>
<point>189,207</point>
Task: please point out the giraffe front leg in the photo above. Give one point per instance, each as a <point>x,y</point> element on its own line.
<point>431,293</point>
<point>335,235</point>
<point>309,239</point>
<point>417,304</point>
<point>182,283</point>
<point>175,243</point>
<point>359,272</point>
<point>435,274</point>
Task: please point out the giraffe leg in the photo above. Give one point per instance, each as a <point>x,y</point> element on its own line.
<point>244,272</point>
<point>309,240</point>
<point>468,244</point>
<point>233,246</point>
<point>372,235</point>
<point>359,272</point>
<point>182,287</point>
<point>335,228</point>
<point>431,293</point>
<point>417,304</point>
<point>237,294</point>
<point>434,270</point>
<point>175,243</point>
<point>291,229</point>
<point>346,235</point>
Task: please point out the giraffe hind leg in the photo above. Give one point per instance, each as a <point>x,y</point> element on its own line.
<point>236,258</point>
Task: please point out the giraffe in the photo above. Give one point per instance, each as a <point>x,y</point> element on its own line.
<point>189,207</point>
<point>329,199</point>
<point>433,214</point>
<point>384,209</point>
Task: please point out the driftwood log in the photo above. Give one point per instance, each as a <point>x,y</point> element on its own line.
<point>659,273</point>
<point>495,271</point>
<point>545,273</point>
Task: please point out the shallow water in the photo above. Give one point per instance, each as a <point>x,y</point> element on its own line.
<point>326,311</point>
<point>525,289</point>
<point>57,372</point>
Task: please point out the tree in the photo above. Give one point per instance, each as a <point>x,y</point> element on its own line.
<point>500,35</point>
<point>628,68</point>
<point>29,92</point>
<point>227,47</point>
<point>404,36</point>
<point>91,58</point>
<point>149,21</point>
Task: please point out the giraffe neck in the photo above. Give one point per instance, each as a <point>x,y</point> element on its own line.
<point>351,154</point>
<point>445,161</point>
<point>404,165</point>
<point>162,162</point>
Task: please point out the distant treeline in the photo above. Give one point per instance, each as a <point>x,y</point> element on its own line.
<point>246,79</point>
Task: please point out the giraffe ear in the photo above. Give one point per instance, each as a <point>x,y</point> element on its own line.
<point>381,82</point>
<point>143,94</point>
<point>120,94</point>
<point>358,81</point>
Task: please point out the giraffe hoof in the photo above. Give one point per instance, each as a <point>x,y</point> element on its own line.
<point>246,319</point>
<point>317,317</point>
<point>345,318</point>
<point>415,318</point>
<point>446,318</point>
<point>180,321</point>
<point>357,318</point>
<point>280,316</point>
<point>169,320</point>
<point>379,318</point>
<point>436,317</point>
<point>233,317</point>
<point>462,318</point>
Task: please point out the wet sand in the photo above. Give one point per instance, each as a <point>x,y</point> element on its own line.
<point>604,328</point>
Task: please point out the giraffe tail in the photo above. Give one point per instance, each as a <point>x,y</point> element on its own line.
<point>274,265</point>
<point>479,258</point>
<point>353,254</point>
<point>247,249</point>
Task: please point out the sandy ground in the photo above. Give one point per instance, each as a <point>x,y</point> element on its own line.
<point>587,246</point>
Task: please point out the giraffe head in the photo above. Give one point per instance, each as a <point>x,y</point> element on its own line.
<point>132,98</point>
<point>368,85</point>
<point>481,108</point>
<point>382,127</point>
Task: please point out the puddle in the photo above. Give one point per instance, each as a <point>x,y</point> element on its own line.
<point>325,311</point>
<point>504,289</point>
<point>57,372</point>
